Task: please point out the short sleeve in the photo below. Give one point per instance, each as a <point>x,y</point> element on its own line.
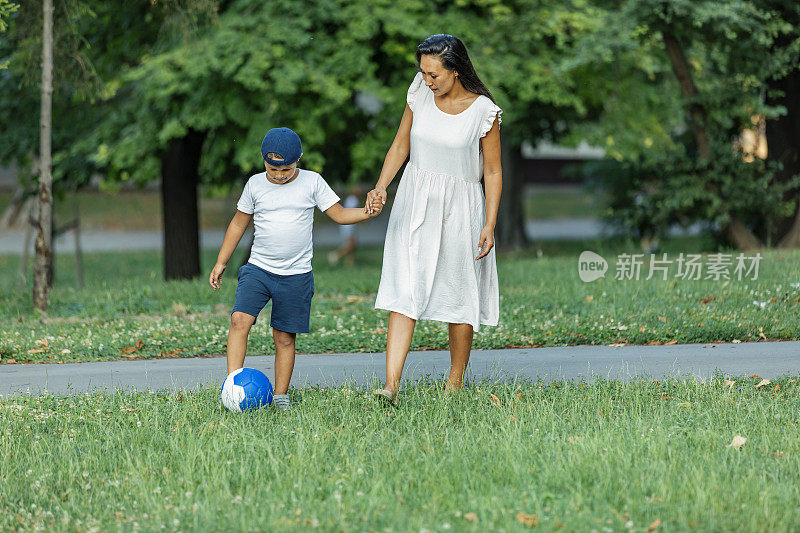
<point>491,112</point>
<point>246,202</point>
<point>324,196</point>
<point>414,90</point>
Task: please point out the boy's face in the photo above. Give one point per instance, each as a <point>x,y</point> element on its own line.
<point>280,174</point>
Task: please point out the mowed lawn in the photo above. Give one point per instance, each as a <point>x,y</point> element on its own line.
<point>602,456</point>
<point>126,310</point>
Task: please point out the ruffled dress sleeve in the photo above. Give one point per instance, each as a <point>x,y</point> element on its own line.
<point>414,90</point>
<point>491,112</point>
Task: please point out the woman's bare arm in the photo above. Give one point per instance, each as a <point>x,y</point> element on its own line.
<point>395,157</point>
<point>493,179</point>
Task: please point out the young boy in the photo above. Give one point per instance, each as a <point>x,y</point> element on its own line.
<point>281,204</point>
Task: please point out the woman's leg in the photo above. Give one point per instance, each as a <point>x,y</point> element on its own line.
<point>237,339</point>
<point>398,342</point>
<point>460,346</point>
<point>284,359</point>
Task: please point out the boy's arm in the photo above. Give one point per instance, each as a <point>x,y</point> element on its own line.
<point>234,234</point>
<point>351,215</point>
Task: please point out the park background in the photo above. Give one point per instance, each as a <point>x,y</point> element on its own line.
<point>635,127</point>
<point>676,122</point>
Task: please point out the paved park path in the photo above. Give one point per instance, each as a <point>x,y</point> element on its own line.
<point>687,361</point>
<point>371,232</point>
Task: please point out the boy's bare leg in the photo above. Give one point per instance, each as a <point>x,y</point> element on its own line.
<point>460,346</point>
<point>398,341</point>
<point>284,359</point>
<point>237,339</point>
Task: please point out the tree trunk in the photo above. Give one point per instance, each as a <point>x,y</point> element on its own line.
<point>510,229</point>
<point>739,234</point>
<point>783,145</point>
<point>44,256</point>
<point>697,114</point>
<point>179,179</point>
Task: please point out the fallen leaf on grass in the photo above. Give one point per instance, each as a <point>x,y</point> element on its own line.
<point>10,361</point>
<point>736,341</point>
<point>654,343</point>
<point>495,399</point>
<point>761,333</point>
<point>36,350</point>
<point>130,350</point>
<point>471,517</point>
<point>43,343</point>
<point>529,520</point>
<point>729,383</point>
<point>777,387</point>
<point>662,319</point>
<point>355,299</point>
<point>706,300</point>
<point>755,376</point>
<point>737,442</point>
<point>763,382</point>
<point>589,298</point>
<point>574,438</point>
<point>673,341</point>
<point>654,525</point>
<point>617,344</point>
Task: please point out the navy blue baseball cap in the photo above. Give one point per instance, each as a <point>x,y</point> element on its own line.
<point>285,143</point>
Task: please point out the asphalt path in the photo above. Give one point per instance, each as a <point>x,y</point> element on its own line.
<point>625,363</point>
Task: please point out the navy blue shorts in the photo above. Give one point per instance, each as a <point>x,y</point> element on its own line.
<point>291,297</point>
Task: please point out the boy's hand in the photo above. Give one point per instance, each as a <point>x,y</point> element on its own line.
<point>215,279</point>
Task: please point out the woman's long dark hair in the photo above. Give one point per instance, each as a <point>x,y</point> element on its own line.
<point>453,55</point>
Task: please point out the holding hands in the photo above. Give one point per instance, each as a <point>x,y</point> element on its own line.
<point>376,198</point>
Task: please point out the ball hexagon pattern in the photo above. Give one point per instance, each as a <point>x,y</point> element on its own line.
<point>246,388</point>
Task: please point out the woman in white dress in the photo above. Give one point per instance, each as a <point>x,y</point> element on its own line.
<point>439,258</point>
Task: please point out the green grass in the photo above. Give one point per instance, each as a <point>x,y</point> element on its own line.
<point>542,302</point>
<point>600,456</point>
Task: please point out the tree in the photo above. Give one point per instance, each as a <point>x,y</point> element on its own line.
<point>44,258</point>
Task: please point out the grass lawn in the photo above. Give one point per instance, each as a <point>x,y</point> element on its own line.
<point>602,456</point>
<point>542,302</point>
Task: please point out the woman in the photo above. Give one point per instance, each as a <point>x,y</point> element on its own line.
<point>439,258</point>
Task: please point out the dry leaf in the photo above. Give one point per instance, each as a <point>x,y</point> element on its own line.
<point>129,349</point>
<point>513,418</point>
<point>529,520</point>
<point>617,344</point>
<point>763,382</point>
<point>573,438</point>
<point>641,329</point>
<point>495,399</point>
<point>655,524</point>
<point>11,361</point>
<point>706,300</point>
<point>729,383</point>
<point>588,299</point>
<point>755,376</point>
<point>662,319</point>
<point>519,396</point>
<point>761,333</point>
<point>777,387</point>
<point>471,517</point>
<point>43,343</point>
<point>737,442</point>
<point>673,341</point>
<point>736,341</point>
<point>354,299</point>
<point>139,344</point>
<point>36,350</point>
<point>129,355</point>
<point>654,343</point>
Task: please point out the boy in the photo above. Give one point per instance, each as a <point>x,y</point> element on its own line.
<point>281,204</point>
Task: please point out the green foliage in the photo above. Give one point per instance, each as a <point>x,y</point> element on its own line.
<point>657,190</point>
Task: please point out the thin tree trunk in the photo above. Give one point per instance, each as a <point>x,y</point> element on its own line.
<point>78,251</point>
<point>697,114</point>
<point>44,256</point>
<point>741,236</point>
<point>179,179</point>
<point>510,229</point>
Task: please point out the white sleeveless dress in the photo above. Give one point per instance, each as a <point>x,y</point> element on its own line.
<point>429,269</point>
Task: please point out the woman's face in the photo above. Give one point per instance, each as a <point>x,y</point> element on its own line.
<point>436,77</point>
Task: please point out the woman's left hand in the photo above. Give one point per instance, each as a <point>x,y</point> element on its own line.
<point>485,241</point>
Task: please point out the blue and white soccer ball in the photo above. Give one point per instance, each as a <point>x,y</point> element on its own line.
<point>246,388</point>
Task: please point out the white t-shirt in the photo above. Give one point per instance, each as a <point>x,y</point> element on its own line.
<point>283,216</point>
